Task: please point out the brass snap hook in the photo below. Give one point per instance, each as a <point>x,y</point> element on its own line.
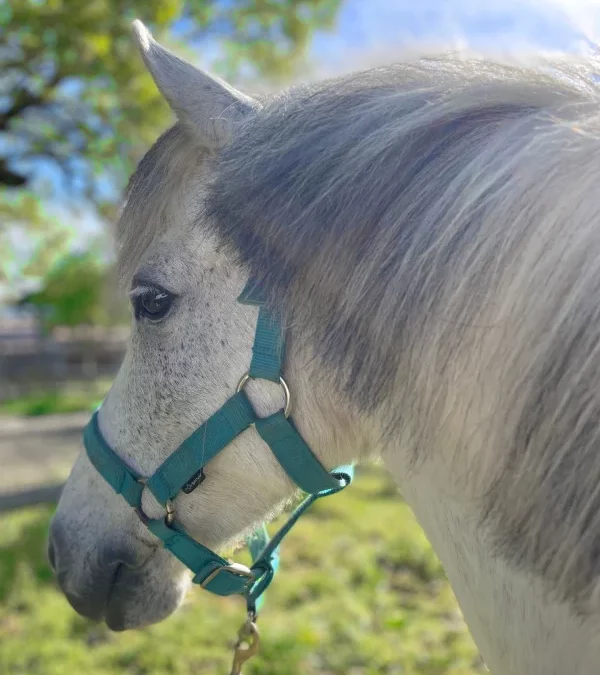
<point>246,646</point>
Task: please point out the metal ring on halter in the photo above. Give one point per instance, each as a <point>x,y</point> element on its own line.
<point>169,508</point>
<point>287,408</point>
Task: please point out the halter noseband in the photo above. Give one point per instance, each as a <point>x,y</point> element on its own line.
<point>183,471</point>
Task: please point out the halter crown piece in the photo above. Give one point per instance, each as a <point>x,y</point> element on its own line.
<point>183,471</point>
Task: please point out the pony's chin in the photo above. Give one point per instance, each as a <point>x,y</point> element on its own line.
<point>119,619</point>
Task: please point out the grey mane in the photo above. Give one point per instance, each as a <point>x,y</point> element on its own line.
<point>415,220</point>
<point>357,203</point>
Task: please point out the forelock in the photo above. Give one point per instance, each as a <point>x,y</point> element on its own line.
<point>159,182</point>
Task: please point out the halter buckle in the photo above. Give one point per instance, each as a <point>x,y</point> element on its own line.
<point>235,569</point>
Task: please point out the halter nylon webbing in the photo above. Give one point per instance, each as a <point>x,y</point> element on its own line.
<point>211,570</point>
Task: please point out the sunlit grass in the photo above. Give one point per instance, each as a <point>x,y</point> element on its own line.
<point>360,592</point>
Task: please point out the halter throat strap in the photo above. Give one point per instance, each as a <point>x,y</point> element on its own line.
<point>183,470</point>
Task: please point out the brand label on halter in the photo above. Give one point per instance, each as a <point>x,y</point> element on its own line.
<point>194,481</point>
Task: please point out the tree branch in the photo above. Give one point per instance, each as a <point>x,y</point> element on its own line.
<point>10,178</point>
<point>25,99</point>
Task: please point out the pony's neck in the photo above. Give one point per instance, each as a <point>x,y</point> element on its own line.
<point>336,431</point>
<point>517,627</point>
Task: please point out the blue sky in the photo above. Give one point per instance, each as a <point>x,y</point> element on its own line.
<point>546,24</point>
<point>383,27</point>
<point>504,25</point>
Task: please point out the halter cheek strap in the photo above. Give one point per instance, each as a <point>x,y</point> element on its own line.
<point>184,470</point>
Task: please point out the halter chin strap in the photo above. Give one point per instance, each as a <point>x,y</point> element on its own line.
<point>183,471</point>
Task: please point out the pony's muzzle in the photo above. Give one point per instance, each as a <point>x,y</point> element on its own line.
<point>89,587</point>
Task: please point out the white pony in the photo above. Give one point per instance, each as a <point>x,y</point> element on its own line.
<point>431,235</point>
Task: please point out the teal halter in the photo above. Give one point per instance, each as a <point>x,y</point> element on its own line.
<point>184,471</point>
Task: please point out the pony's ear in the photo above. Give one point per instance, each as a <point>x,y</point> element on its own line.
<point>207,105</point>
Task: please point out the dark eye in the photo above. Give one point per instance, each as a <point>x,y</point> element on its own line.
<point>152,303</point>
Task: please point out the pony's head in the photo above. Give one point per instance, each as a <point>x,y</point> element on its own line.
<point>190,343</point>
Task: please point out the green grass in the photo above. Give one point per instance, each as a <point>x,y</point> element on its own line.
<point>75,397</point>
<point>360,592</point>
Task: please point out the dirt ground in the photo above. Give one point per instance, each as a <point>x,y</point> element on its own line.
<point>38,451</point>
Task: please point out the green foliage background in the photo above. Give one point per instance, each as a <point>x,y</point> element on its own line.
<point>73,293</point>
<point>77,86</point>
<point>78,103</point>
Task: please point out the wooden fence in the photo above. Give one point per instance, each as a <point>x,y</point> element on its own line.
<point>18,499</point>
<point>30,360</point>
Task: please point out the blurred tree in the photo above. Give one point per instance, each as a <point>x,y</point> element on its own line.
<point>77,290</point>
<point>76,96</point>
<point>43,235</point>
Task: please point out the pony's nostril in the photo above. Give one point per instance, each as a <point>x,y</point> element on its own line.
<point>129,555</point>
<point>51,554</point>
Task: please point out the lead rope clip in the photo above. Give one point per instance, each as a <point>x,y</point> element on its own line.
<point>247,644</point>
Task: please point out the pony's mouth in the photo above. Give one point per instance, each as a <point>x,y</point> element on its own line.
<point>124,600</point>
<point>92,601</point>
<point>133,600</point>
<point>121,593</point>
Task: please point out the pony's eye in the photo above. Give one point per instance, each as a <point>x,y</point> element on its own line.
<point>152,303</point>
